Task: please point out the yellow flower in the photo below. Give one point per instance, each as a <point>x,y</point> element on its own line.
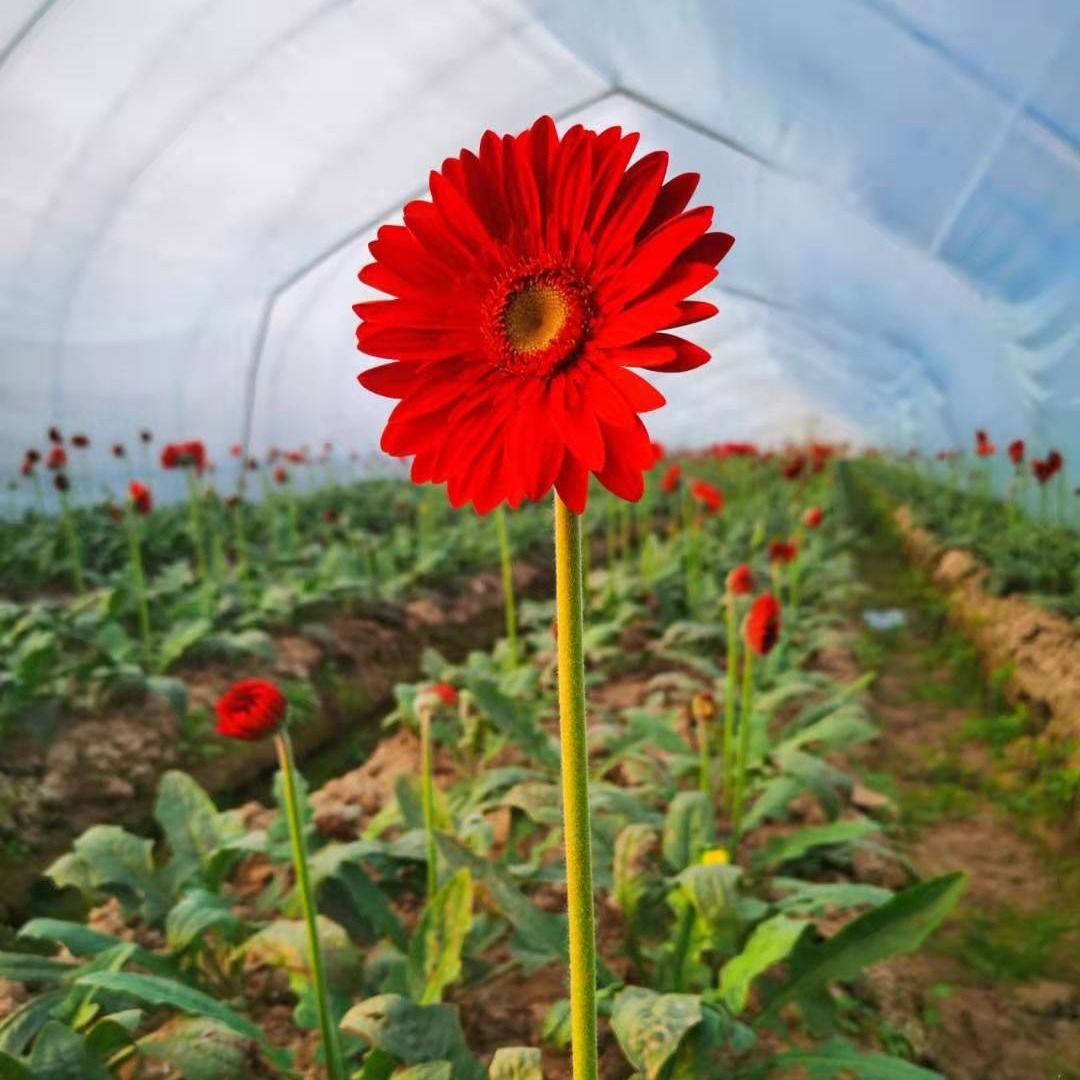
<point>716,856</point>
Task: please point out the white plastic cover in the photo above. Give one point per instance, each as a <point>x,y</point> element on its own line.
<point>187,188</point>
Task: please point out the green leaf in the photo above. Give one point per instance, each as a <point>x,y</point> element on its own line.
<point>515,1063</point>
<point>512,720</point>
<point>413,1033</point>
<point>842,728</point>
<point>79,940</point>
<point>435,950</point>
<point>429,1070</point>
<point>197,912</point>
<point>636,873</point>
<point>348,896</point>
<point>770,943</point>
<point>155,990</point>
<point>714,893</point>
<point>898,926</point>
<point>199,1049</point>
<point>795,845</point>
<point>12,1069</point>
<point>189,819</point>
<point>815,898</point>
<point>18,1028</point>
<point>173,690</point>
<point>30,968</point>
<point>689,829</point>
<point>60,1054</point>
<point>284,944</point>
<point>122,863</point>
<point>181,638</point>
<point>836,1058</point>
<point>650,1026</point>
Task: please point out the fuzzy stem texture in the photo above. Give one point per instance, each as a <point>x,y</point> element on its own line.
<point>427,799</point>
<point>335,1063</point>
<point>569,593</point>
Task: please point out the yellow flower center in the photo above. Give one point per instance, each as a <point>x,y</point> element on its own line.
<point>535,316</point>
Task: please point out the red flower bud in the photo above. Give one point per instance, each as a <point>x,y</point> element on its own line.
<point>250,710</point>
<point>740,580</point>
<point>813,516</point>
<point>142,501</point>
<point>761,630</point>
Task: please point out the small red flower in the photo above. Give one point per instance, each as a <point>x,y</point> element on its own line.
<point>669,482</point>
<point>445,693</point>
<point>330,516</point>
<point>1055,461</point>
<point>1016,451</point>
<point>55,436</point>
<point>146,436</point>
<point>80,442</point>
<point>27,467</point>
<point>740,580</point>
<point>281,475</point>
<point>711,498</point>
<point>250,709</point>
<point>61,482</point>
<point>813,517</point>
<point>783,551</point>
<point>541,270</point>
<point>793,467</point>
<point>184,455</point>
<point>118,450</point>
<point>761,630</point>
<point>142,501</point>
<point>57,458</point>
<point>983,446</point>
<point>33,456</point>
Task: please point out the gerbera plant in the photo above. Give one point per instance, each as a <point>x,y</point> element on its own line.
<point>541,270</point>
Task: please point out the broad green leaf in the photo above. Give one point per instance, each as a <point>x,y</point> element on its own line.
<point>770,943</point>
<point>79,940</point>
<point>413,1033</point>
<point>795,845</point>
<point>181,638</point>
<point>842,728</point>
<point>650,1026</point>
<point>284,944</point>
<point>30,968</point>
<point>19,1027</point>
<point>636,873</point>
<point>429,1070</point>
<point>188,817</point>
<point>197,912</point>
<point>349,897</point>
<point>514,721</point>
<point>714,892</point>
<point>900,925</point>
<point>814,898</point>
<point>689,829</point>
<point>435,950</point>
<point>173,690</point>
<point>122,863</point>
<point>515,1063</point>
<point>155,990</point>
<point>12,1069</point>
<point>60,1054</point>
<point>199,1049</point>
<point>837,1059</point>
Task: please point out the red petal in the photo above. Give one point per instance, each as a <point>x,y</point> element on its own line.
<point>687,355</point>
<point>390,380</point>
<point>573,484</point>
<point>672,200</point>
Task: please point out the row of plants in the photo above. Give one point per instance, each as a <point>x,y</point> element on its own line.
<point>1026,537</point>
<point>723,821</point>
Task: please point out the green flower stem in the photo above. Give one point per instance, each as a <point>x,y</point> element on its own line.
<point>730,689</point>
<point>704,758</point>
<point>427,799</point>
<point>72,536</point>
<point>240,540</point>
<point>508,587</point>
<point>195,519</point>
<point>744,744</point>
<point>335,1063</point>
<point>138,577</point>
<point>577,837</point>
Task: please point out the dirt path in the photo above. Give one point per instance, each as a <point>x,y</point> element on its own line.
<point>996,992</point>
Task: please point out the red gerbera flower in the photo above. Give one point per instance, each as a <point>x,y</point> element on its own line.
<point>983,446</point>
<point>669,482</point>
<point>118,450</point>
<point>813,517</point>
<point>793,467</point>
<point>783,551</point>
<point>61,482</point>
<point>761,630</point>
<point>445,693</point>
<point>250,709</point>
<point>80,442</point>
<point>142,501</point>
<point>33,456</point>
<point>540,271</point>
<point>1016,451</point>
<point>190,454</point>
<point>1054,461</point>
<point>27,468</point>
<point>712,498</point>
<point>146,436</point>
<point>57,458</point>
<point>281,475</point>
<point>740,580</point>
<point>55,436</point>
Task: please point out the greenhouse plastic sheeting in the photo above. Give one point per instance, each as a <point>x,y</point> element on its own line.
<point>187,188</point>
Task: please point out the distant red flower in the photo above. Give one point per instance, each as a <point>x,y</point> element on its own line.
<point>61,482</point>
<point>445,693</point>
<point>57,458</point>
<point>761,630</point>
<point>250,709</point>
<point>252,464</point>
<point>983,446</point>
<point>540,271</point>
<point>740,580</point>
<point>813,517</point>
<point>236,449</point>
<point>330,516</point>
<point>146,436</point>
<point>27,467</point>
<point>184,455</point>
<point>33,456</point>
<point>1041,470</point>
<point>1016,451</point>
<point>1055,461</point>
<point>142,501</point>
<point>712,498</point>
<point>669,482</point>
<point>80,442</point>
<point>118,450</point>
<point>281,475</point>
<point>734,449</point>
<point>783,551</point>
<point>55,436</point>
<point>793,467</point>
